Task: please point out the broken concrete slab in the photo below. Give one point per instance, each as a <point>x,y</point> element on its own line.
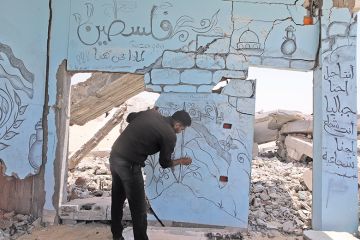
<point>97,208</point>
<point>327,235</point>
<point>299,126</point>
<point>297,147</point>
<point>280,117</point>
<point>262,134</point>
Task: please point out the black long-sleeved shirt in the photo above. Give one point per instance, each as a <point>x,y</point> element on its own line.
<point>148,132</point>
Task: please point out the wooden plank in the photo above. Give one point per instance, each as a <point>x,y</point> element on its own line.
<point>106,98</point>
<point>94,141</point>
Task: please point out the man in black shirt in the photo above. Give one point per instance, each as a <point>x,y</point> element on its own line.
<point>148,132</point>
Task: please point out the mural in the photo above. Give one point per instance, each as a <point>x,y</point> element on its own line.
<point>214,188</point>
<point>16,85</point>
<point>98,30</point>
<point>339,120</point>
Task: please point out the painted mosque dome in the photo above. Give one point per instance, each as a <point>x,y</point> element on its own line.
<point>248,40</point>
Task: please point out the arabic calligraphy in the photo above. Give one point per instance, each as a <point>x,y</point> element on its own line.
<point>339,75</point>
<point>159,29</point>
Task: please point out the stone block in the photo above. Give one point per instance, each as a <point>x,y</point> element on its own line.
<point>276,62</point>
<point>236,62</point>
<point>240,88</point>
<point>262,134</point>
<point>205,89</point>
<point>165,76</point>
<point>147,78</point>
<point>153,88</point>
<point>298,147</point>
<point>172,59</point>
<point>245,106</point>
<point>298,126</point>
<point>254,60</point>
<point>180,89</point>
<point>218,75</point>
<point>196,76</point>
<point>337,29</point>
<point>210,61</point>
<point>303,65</point>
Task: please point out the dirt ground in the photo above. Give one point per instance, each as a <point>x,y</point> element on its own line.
<point>98,231</point>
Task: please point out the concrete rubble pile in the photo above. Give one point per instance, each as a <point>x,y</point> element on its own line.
<point>91,178</point>
<point>280,202</point>
<point>13,225</point>
<point>292,131</point>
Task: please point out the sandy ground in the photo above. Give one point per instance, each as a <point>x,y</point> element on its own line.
<point>100,231</point>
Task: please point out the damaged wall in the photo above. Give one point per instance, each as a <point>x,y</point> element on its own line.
<point>184,54</point>
<point>23,57</point>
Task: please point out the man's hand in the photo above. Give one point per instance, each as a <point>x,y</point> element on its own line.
<point>185,161</point>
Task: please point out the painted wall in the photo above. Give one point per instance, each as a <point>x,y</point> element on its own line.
<point>184,54</point>
<point>132,35</point>
<point>335,199</point>
<point>23,56</point>
<point>214,189</point>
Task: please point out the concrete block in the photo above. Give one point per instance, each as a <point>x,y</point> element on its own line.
<point>172,59</point>
<point>205,89</point>
<point>196,76</point>
<point>298,147</point>
<point>302,64</point>
<point>262,134</point>
<point>236,62</point>
<point>337,29</point>
<point>165,76</point>
<point>147,78</point>
<point>232,101</point>
<point>240,88</point>
<point>254,60</point>
<point>210,61</point>
<point>276,62</point>
<point>180,89</point>
<point>298,126</point>
<point>327,235</point>
<point>245,106</point>
<point>153,88</point>
<point>218,75</point>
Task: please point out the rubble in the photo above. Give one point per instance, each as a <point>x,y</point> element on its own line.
<point>13,225</point>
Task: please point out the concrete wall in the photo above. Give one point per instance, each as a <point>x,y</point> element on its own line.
<point>23,80</point>
<point>183,54</point>
<point>335,199</point>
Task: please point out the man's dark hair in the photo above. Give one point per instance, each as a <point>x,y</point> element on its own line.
<point>183,117</point>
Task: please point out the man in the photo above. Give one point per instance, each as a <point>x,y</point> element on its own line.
<point>148,132</point>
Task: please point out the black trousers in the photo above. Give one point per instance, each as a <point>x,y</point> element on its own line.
<point>127,182</point>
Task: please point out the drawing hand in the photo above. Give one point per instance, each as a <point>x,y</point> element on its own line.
<point>186,161</point>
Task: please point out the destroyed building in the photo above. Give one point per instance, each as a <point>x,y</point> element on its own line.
<point>173,49</point>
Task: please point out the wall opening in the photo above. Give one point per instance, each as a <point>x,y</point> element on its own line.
<point>99,105</point>
<point>282,157</point>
